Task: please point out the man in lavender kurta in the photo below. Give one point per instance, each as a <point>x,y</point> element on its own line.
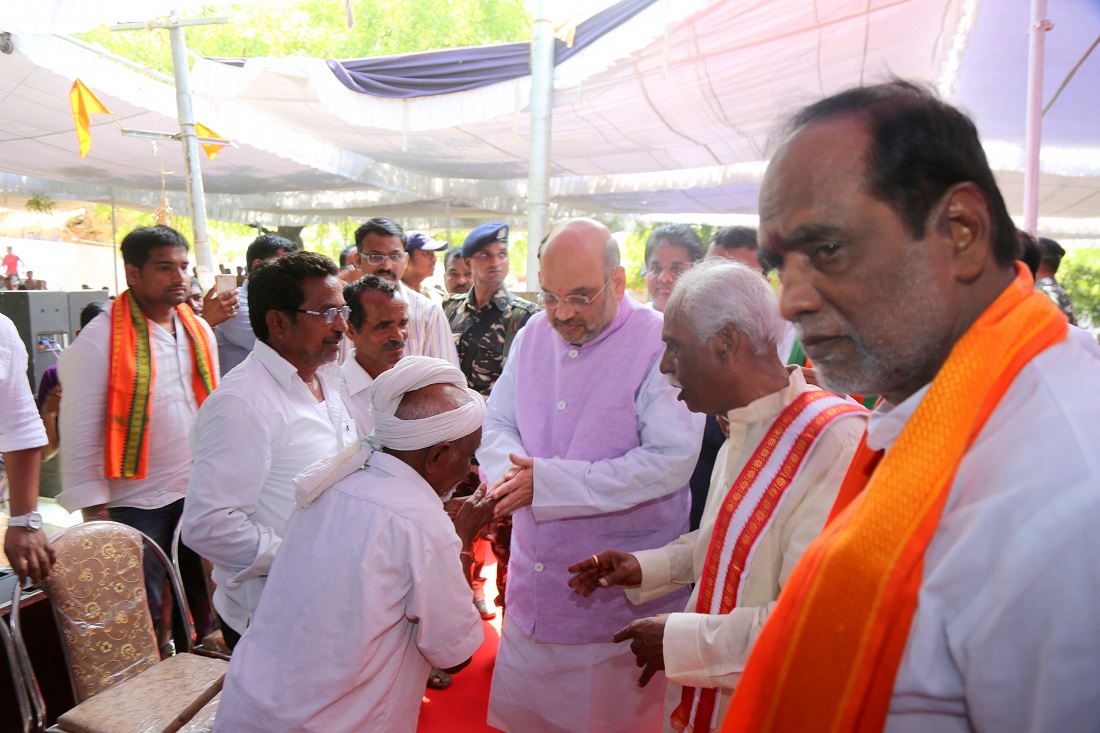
<point>584,443</point>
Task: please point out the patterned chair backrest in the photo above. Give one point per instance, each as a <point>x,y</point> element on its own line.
<point>97,589</point>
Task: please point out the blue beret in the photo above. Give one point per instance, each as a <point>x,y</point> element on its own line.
<point>484,235</point>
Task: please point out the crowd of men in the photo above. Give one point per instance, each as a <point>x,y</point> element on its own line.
<point>785,559</point>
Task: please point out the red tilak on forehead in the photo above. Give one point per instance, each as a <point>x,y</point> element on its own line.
<point>775,242</point>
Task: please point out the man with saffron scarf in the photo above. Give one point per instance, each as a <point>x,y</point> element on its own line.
<point>134,381</point>
<point>955,585</point>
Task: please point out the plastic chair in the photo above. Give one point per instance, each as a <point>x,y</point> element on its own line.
<point>97,592</point>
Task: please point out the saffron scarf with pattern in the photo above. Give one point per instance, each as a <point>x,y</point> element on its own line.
<point>827,658</point>
<point>130,383</point>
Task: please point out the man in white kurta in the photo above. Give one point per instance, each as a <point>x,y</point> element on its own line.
<point>735,362</point>
<point>584,440</point>
<point>367,592</point>
<point>707,650</point>
<point>272,416</point>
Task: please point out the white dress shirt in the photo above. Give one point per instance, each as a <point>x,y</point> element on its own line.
<point>429,329</point>
<point>1006,634</point>
<point>21,427</point>
<point>235,336</point>
<point>366,595</point>
<point>83,370</point>
<point>253,435</point>
<point>709,650</point>
<point>354,382</point>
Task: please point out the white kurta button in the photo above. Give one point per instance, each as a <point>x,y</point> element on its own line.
<point>561,405</point>
<point>573,353</point>
<point>538,567</point>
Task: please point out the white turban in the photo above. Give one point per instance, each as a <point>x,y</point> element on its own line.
<point>385,394</point>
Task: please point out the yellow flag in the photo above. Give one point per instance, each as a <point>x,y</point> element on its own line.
<point>84,103</point>
<point>203,131</point>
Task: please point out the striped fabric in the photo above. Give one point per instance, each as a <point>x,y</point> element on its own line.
<point>429,330</point>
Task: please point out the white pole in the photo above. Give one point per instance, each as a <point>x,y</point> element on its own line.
<point>195,193</point>
<point>1033,135</point>
<point>542,93</point>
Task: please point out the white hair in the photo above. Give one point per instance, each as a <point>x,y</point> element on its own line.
<point>715,293</point>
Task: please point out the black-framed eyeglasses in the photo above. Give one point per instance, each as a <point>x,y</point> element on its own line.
<point>376,259</point>
<point>550,301</point>
<point>330,314</point>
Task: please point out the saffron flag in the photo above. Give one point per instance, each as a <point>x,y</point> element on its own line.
<point>210,149</point>
<point>84,103</point>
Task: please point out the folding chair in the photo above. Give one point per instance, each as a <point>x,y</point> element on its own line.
<point>97,591</point>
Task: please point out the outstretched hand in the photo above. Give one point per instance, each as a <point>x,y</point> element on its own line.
<point>474,512</point>
<point>610,567</point>
<point>516,488</point>
<point>647,642</point>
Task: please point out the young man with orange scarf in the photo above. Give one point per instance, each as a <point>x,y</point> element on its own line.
<point>134,381</point>
<point>955,585</point>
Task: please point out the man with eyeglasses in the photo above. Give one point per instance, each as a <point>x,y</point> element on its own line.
<point>382,244</point>
<point>670,251</point>
<point>584,441</point>
<point>277,413</point>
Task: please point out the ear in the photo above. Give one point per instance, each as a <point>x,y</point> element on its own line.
<point>255,262</point>
<point>727,342</point>
<point>132,273</point>
<point>436,459</point>
<point>277,323</point>
<point>618,282</point>
<point>967,226</point>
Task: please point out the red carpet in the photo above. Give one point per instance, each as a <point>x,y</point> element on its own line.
<point>462,707</point>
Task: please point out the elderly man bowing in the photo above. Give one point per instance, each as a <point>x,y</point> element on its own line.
<point>586,445</point>
<point>774,483</point>
<point>368,573</point>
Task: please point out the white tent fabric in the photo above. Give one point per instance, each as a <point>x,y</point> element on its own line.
<point>673,112</point>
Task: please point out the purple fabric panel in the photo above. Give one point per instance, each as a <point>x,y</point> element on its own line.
<point>428,73</point>
<point>580,404</point>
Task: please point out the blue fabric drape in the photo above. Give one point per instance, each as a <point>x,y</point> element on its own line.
<point>456,70</point>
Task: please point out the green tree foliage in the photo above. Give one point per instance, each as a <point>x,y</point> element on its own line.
<point>318,28</point>
<point>1079,274</point>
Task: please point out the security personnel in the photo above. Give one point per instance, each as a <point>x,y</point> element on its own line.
<point>484,321</point>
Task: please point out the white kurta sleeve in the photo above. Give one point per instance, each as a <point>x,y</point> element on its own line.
<point>665,569</point>
<point>703,650</point>
<point>232,449</point>
<point>83,372</point>
<point>21,427</point>
<point>671,437</point>
<point>499,433</point>
<point>448,629</point>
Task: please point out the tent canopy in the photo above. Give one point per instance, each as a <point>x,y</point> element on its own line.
<point>671,109</point>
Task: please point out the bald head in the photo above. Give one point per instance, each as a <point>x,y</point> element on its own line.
<point>586,238</point>
<point>435,399</point>
<point>582,281</point>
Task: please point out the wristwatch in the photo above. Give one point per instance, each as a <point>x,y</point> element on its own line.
<point>31,521</point>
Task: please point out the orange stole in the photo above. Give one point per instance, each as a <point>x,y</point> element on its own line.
<point>782,448</point>
<point>130,384</point>
<point>829,653</point>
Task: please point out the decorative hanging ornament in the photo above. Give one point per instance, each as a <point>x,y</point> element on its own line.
<point>163,213</point>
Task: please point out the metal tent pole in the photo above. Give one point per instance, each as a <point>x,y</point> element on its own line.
<point>1033,135</point>
<point>542,92</point>
<point>195,193</point>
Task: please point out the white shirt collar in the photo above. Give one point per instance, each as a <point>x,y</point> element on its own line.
<point>887,421</point>
<point>356,378</point>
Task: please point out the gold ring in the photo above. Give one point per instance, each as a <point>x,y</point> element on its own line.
<point>596,559</point>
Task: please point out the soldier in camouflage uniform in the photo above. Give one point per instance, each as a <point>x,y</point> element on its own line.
<point>1051,257</point>
<point>484,322</point>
